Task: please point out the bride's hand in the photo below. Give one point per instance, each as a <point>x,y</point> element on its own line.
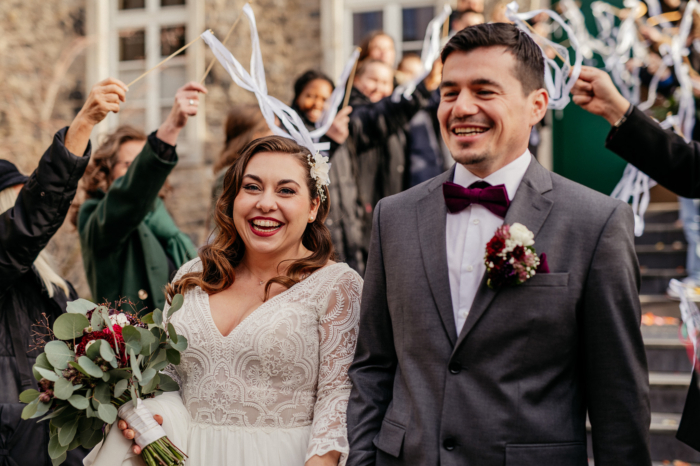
<point>129,434</point>
<point>329,459</point>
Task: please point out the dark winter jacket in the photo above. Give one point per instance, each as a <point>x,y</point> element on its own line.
<point>25,230</point>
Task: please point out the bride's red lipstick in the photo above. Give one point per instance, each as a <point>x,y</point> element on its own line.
<point>265,226</point>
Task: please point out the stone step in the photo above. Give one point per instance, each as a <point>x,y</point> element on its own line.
<point>655,281</point>
<point>662,212</point>
<point>660,305</point>
<point>667,233</point>
<point>662,440</point>
<point>661,255</point>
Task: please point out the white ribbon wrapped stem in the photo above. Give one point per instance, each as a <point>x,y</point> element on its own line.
<point>141,421</point>
<point>333,104</point>
<point>559,80</point>
<point>429,53</point>
<point>690,316</point>
<point>255,83</point>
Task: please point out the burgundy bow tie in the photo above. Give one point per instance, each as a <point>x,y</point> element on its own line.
<point>494,198</point>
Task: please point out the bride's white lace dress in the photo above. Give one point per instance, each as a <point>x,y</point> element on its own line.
<point>273,392</point>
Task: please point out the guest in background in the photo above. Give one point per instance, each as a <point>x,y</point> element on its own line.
<point>31,211</point>
<point>130,244</point>
<point>378,45</point>
<point>465,18</point>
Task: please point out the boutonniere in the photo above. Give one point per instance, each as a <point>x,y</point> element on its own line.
<point>511,258</point>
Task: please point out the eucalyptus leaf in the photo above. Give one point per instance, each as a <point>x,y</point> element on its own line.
<point>148,318</point>
<point>167,384</point>
<point>118,374</point>
<point>90,438</point>
<point>75,443</point>
<point>152,385</point>
<point>107,413</point>
<point>80,306</point>
<point>149,342</point>
<point>47,374</point>
<point>132,339</point>
<point>30,409</point>
<point>147,376</point>
<point>69,326</point>
<point>105,377</point>
<point>79,401</point>
<point>63,389</point>
<point>53,414</point>
<point>28,396</point>
<point>41,361</point>
<point>56,450</point>
<point>176,304</point>
<point>58,353</point>
<point>158,317</point>
<point>160,361</point>
<point>173,356</point>
<point>159,334</point>
<point>181,344</point>
<point>96,322</point>
<point>77,367</point>
<point>172,333</point>
<point>134,397</point>
<point>135,365</point>
<point>102,394</point>
<point>104,312</point>
<point>108,355</point>
<point>67,432</point>
<point>41,409</point>
<point>120,387</point>
<point>93,351</point>
<point>90,367</point>
<point>66,416</point>
<point>58,461</point>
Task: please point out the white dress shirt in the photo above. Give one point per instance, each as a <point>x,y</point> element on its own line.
<point>470,230</point>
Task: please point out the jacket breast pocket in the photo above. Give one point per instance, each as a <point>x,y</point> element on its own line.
<point>534,454</point>
<point>547,279</point>
<point>390,438</point>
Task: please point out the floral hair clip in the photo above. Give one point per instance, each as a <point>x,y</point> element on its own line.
<point>320,169</point>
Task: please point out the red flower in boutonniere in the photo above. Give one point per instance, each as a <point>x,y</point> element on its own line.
<point>511,258</point>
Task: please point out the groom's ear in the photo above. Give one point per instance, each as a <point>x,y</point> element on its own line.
<point>539,101</point>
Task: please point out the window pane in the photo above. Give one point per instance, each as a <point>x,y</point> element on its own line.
<point>171,2</point>
<point>132,45</point>
<point>415,21</point>
<point>364,23</point>
<point>131,4</point>
<point>172,39</point>
<point>171,79</point>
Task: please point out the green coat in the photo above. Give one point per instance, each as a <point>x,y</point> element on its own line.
<point>123,247</point>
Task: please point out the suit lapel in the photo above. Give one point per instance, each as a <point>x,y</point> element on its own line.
<point>431,217</point>
<point>530,208</point>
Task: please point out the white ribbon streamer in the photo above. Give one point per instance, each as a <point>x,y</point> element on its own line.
<point>559,80</point>
<point>635,184</point>
<point>255,83</point>
<point>429,53</point>
<point>141,421</point>
<point>686,107</point>
<point>690,316</point>
<point>324,123</point>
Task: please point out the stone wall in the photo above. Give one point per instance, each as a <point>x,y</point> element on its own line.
<point>42,68</point>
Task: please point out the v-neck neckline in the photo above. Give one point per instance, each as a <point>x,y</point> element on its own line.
<point>275,298</point>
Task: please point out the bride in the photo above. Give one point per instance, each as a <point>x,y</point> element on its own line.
<point>271,322</point>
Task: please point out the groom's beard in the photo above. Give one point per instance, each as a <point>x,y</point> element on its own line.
<point>462,153</point>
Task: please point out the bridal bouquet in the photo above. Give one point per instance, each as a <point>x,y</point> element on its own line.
<point>99,363</point>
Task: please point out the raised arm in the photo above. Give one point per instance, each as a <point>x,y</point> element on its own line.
<point>663,155</point>
<point>44,200</point>
<point>337,338</point>
<point>372,372</point>
<point>616,375</point>
<point>131,197</point>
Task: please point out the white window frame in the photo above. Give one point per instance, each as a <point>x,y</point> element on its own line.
<point>105,21</point>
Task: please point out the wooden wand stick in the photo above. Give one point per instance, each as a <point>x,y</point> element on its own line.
<point>351,78</point>
<point>171,56</point>
<point>213,60</point>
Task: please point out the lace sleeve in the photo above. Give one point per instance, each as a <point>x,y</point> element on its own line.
<point>337,339</point>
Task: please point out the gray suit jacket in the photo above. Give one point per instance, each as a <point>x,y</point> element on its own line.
<point>514,386</point>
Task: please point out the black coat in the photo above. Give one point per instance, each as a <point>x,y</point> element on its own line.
<point>25,230</point>
<point>674,164</point>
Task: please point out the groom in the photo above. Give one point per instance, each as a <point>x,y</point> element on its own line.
<point>451,372</point>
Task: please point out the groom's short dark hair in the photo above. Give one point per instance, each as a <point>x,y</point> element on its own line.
<point>529,68</point>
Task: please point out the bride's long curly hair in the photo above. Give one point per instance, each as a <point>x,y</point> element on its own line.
<point>225,252</point>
